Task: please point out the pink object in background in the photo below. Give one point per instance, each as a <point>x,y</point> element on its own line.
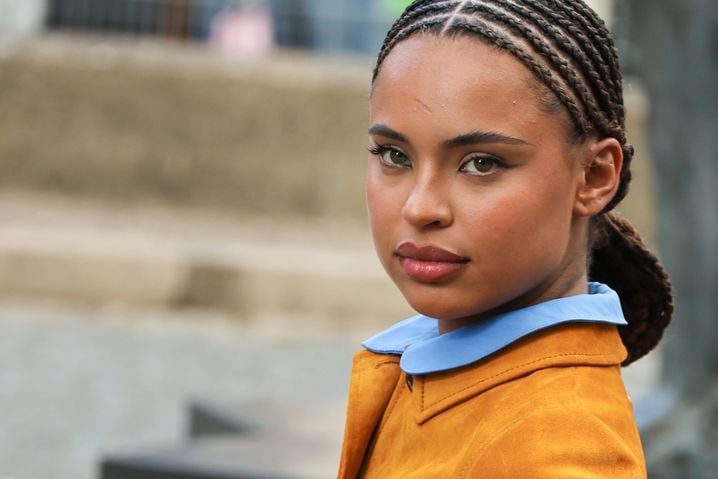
<point>243,32</point>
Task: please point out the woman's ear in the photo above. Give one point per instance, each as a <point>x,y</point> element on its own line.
<point>600,176</point>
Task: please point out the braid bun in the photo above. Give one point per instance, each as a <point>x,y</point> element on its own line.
<point>623,261</point>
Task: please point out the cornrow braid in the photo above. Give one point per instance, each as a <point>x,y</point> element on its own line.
<point>559,64</point>
<point>570,51</point>
<point>426,24</point>
<point>417,10</point>
<point>604,93</point>
<point>603,52</point>
<point>480,29</point>
<point>595,28</point>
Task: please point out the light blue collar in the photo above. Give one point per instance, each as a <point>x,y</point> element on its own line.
<point>424,351</point>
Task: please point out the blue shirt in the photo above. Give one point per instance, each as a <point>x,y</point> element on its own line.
<point>423,350</point>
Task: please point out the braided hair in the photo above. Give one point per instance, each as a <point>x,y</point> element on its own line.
<point>570,52</point>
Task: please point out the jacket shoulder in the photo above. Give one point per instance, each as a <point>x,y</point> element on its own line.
<point>561,423</point>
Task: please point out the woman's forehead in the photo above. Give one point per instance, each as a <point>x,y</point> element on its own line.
<point>457,73</point>
<point>427,56</point>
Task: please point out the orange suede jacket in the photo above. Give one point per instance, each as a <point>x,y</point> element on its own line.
<point>549,406</point>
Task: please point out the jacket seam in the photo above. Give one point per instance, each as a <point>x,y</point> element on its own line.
<point>384,363</point>
<point>505,371</point>
<point>392,405</point>
<point>369,450</point>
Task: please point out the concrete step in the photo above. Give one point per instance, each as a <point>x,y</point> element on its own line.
<point>53,246</point>
<point>279,441</point>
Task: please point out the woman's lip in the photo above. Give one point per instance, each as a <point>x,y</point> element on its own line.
<point>428,263</point>
<point>429,252</point>
<point>429,271</point>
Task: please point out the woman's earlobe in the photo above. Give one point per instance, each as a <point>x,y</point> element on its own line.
<point>600,176</point>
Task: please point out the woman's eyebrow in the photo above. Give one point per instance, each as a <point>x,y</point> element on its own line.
<point>481,137</point>
<point>472,138</point>
<point>383,130</point>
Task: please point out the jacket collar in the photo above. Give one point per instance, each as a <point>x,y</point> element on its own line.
<point>424,351</point>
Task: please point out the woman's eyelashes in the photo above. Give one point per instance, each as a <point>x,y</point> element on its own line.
<point>390,156</point>
<point>476,164</point>
<point>481,165</point>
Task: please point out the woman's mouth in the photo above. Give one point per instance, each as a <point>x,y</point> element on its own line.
<point>429,263</point>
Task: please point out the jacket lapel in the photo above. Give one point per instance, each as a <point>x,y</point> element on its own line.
<point>373,380</point>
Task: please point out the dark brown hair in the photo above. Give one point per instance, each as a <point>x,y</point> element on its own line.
<point>571,53</point>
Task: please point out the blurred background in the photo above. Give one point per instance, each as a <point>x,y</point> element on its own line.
<point>185,262</point>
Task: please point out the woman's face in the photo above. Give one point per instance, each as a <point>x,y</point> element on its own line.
<point>471,186</point>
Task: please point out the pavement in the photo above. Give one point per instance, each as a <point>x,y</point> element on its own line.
<point>77,384</point>
<point>113,319</point>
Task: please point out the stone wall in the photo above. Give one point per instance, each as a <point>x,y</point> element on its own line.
<point>155,122</point>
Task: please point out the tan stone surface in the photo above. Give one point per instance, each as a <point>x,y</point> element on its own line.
<point>137,122</point>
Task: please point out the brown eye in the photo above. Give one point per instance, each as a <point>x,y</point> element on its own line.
<point>482,165</point>
<point>391,156</point>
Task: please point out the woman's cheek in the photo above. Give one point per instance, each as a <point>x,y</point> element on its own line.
<point>381,213</point>
<point>374,196</point>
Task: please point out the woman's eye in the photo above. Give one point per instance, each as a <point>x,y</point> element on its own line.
<point>482,165</point>
<point>391,156</point>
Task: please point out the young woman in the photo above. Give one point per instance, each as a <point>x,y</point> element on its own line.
<point>497,152</point>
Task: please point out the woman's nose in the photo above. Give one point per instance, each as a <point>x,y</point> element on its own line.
<point>428,205</point>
